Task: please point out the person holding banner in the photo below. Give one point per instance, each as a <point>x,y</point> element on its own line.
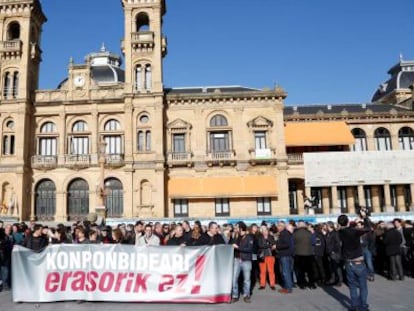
<point>243,245</point>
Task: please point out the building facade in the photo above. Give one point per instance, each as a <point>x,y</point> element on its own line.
<point>116,134</point>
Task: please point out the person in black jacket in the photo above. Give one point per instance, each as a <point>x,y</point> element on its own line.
<point>392,242</point>
<point>355,268</point>
<point>333,251</point>
<point>243,245</point>
<point>35,240</point>
<point>285,248</point>
<point>319,246</point>
<point>212,236</point>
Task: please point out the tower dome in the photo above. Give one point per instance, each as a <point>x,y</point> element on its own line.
<point>105,67</point>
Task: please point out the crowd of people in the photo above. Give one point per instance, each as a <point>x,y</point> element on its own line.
<point>291,254</point>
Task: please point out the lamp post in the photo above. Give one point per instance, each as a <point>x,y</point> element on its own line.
<point>100,207</point>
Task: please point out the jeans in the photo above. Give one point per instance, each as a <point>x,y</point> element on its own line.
<point>246,267</point>
<point>396,267</point>
<point>368,260</point>
<point>4,276</point>
<point>356,274</point>
<point>286,268</point>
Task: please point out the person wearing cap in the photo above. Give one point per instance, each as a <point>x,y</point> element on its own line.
<point>243,245</point>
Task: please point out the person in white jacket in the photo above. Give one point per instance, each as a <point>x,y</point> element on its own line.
<point>148,238</point>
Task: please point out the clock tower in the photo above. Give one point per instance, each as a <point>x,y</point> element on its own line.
<point>144,45</point>
<point>21,24</point>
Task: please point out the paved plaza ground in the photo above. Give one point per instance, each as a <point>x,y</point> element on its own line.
<point>384,295</point>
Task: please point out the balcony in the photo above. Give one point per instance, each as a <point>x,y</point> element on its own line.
<point>77,161</point>
<point>295,158</point>
<point>221,158</point>
<point>114,160</point>
<point>44,162</point>
<point>11,48</point>
<point>143,40</point>
<point>179,159</point>
<point>262,156</point>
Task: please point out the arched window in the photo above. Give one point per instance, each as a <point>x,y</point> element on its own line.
<point>382,139</point>
<point>7,84</point>
<point>142,22</point>
<point>138,78</point>
<point>47,140</point>
<point>360,140</point>
<point>113,137</point>
<point>112,125</point>
<point>9,138</point>
<point>219,137</point>
<point>114,199</point>
<point>15,89</point>
<point>218,120</point>
<point>79,126</point>
<point>79,139</point>
<point>48,127</point>
<point>78,199</point>
<point>406,138</point>
<point>148,77</point>
<point>143,133</point>
<point>45,200</point>
<point>13,31</point>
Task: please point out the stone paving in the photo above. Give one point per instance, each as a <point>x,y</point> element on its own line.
<point>384,295</point>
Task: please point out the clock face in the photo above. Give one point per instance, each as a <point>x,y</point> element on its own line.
<point>79,81</point>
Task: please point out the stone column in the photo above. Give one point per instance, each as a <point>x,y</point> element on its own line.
<point>400,199</point>
<point>300,201</point>
<point>334,195</point>
<point>361,195</point>
<point>350,200</point>
<point>412,197</point>
<point>371,142</point>
<point>375,199</point>
<point>387,196</point>
<point>61,206</point>
<point>325,200</point>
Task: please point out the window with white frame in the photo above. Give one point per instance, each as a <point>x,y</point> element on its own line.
<point>219,134</point>
<point>260,140</point>
<point>222,207</point>
<point>180,208</point>
<point>382,139</point>
<point>264,206</point>
<point>360,140</point>
<point>342,199</point>
<point>47,143</point>
<point>113,137</point>
<point>406,138</point>
<point>79,139</point>
<point>9,138</point>
<point>368,197</point>
<point>178,145</point>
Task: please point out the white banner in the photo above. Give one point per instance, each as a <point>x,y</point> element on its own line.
<point>98,272</point>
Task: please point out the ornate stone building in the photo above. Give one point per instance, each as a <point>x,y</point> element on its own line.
<point>116,134</point>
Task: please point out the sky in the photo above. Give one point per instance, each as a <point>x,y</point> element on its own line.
<point>319,51</point>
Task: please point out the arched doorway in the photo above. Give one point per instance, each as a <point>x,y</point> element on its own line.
<point>45,200</point>
<point>78,199</point>
<point>114,199</point>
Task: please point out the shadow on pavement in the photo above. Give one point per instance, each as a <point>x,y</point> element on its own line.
<point>344,300</point>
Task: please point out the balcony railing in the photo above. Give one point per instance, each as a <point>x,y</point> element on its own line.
<point>114,160</point>
<point>45,162</point>
<point>11,47</point>
<point>77,160</point>
<point>179,158</point>
<point>221,157</point>
<point>262,156</point>
<point>295,158</point>
<point>142,40</point>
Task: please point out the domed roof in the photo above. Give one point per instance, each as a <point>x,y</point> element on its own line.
<point>105,67</point>
<point>402,77</point>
